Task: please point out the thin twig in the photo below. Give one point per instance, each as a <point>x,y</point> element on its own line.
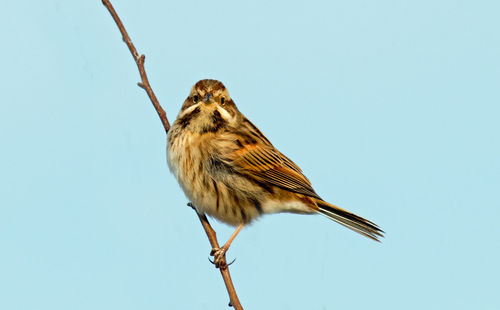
<point>144,84</point>
<point>139,60</point>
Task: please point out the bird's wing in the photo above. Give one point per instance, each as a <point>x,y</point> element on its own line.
<point>260,160</point>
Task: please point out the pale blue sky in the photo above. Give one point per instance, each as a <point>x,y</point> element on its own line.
<point>390,107</point>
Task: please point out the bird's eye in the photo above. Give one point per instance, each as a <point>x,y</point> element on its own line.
<point>195,99</point>
<point>222,100</point>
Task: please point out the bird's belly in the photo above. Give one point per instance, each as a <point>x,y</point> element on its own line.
<point>225,202</point>
<point>219,201</point>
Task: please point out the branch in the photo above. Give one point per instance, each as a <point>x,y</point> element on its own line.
<point>144,84</point>
<point>224,270</point>
<point>139,60</point>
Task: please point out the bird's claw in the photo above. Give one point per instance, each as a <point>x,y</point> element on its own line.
<point>219,255</point>
<point>227,264</point>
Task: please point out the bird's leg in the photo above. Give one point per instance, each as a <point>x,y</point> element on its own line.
<point>219,254</point>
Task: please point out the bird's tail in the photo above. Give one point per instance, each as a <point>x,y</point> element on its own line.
<point>350,220</point>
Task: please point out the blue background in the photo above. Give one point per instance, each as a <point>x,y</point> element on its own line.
<point>390,107</point>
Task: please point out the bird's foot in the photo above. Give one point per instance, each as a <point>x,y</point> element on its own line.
<point>219,255</point>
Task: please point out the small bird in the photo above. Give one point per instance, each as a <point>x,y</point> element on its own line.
<point>229,170</point>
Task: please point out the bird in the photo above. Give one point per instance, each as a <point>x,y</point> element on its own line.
<point>230,171</point>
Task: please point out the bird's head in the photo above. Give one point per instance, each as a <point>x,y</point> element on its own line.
<point>208,108</point>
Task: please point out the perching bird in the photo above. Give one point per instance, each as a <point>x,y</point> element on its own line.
<point>229,170</point>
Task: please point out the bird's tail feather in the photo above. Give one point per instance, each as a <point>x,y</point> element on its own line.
<point>350,220</point>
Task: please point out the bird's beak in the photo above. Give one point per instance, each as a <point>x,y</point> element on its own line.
<point>207,98</point>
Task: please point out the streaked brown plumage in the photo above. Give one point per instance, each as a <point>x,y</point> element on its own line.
<point>230,171</point>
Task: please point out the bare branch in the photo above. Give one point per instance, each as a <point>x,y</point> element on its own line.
<point>139,60</point>
<point>224,270</point>
<point>144,84</point>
